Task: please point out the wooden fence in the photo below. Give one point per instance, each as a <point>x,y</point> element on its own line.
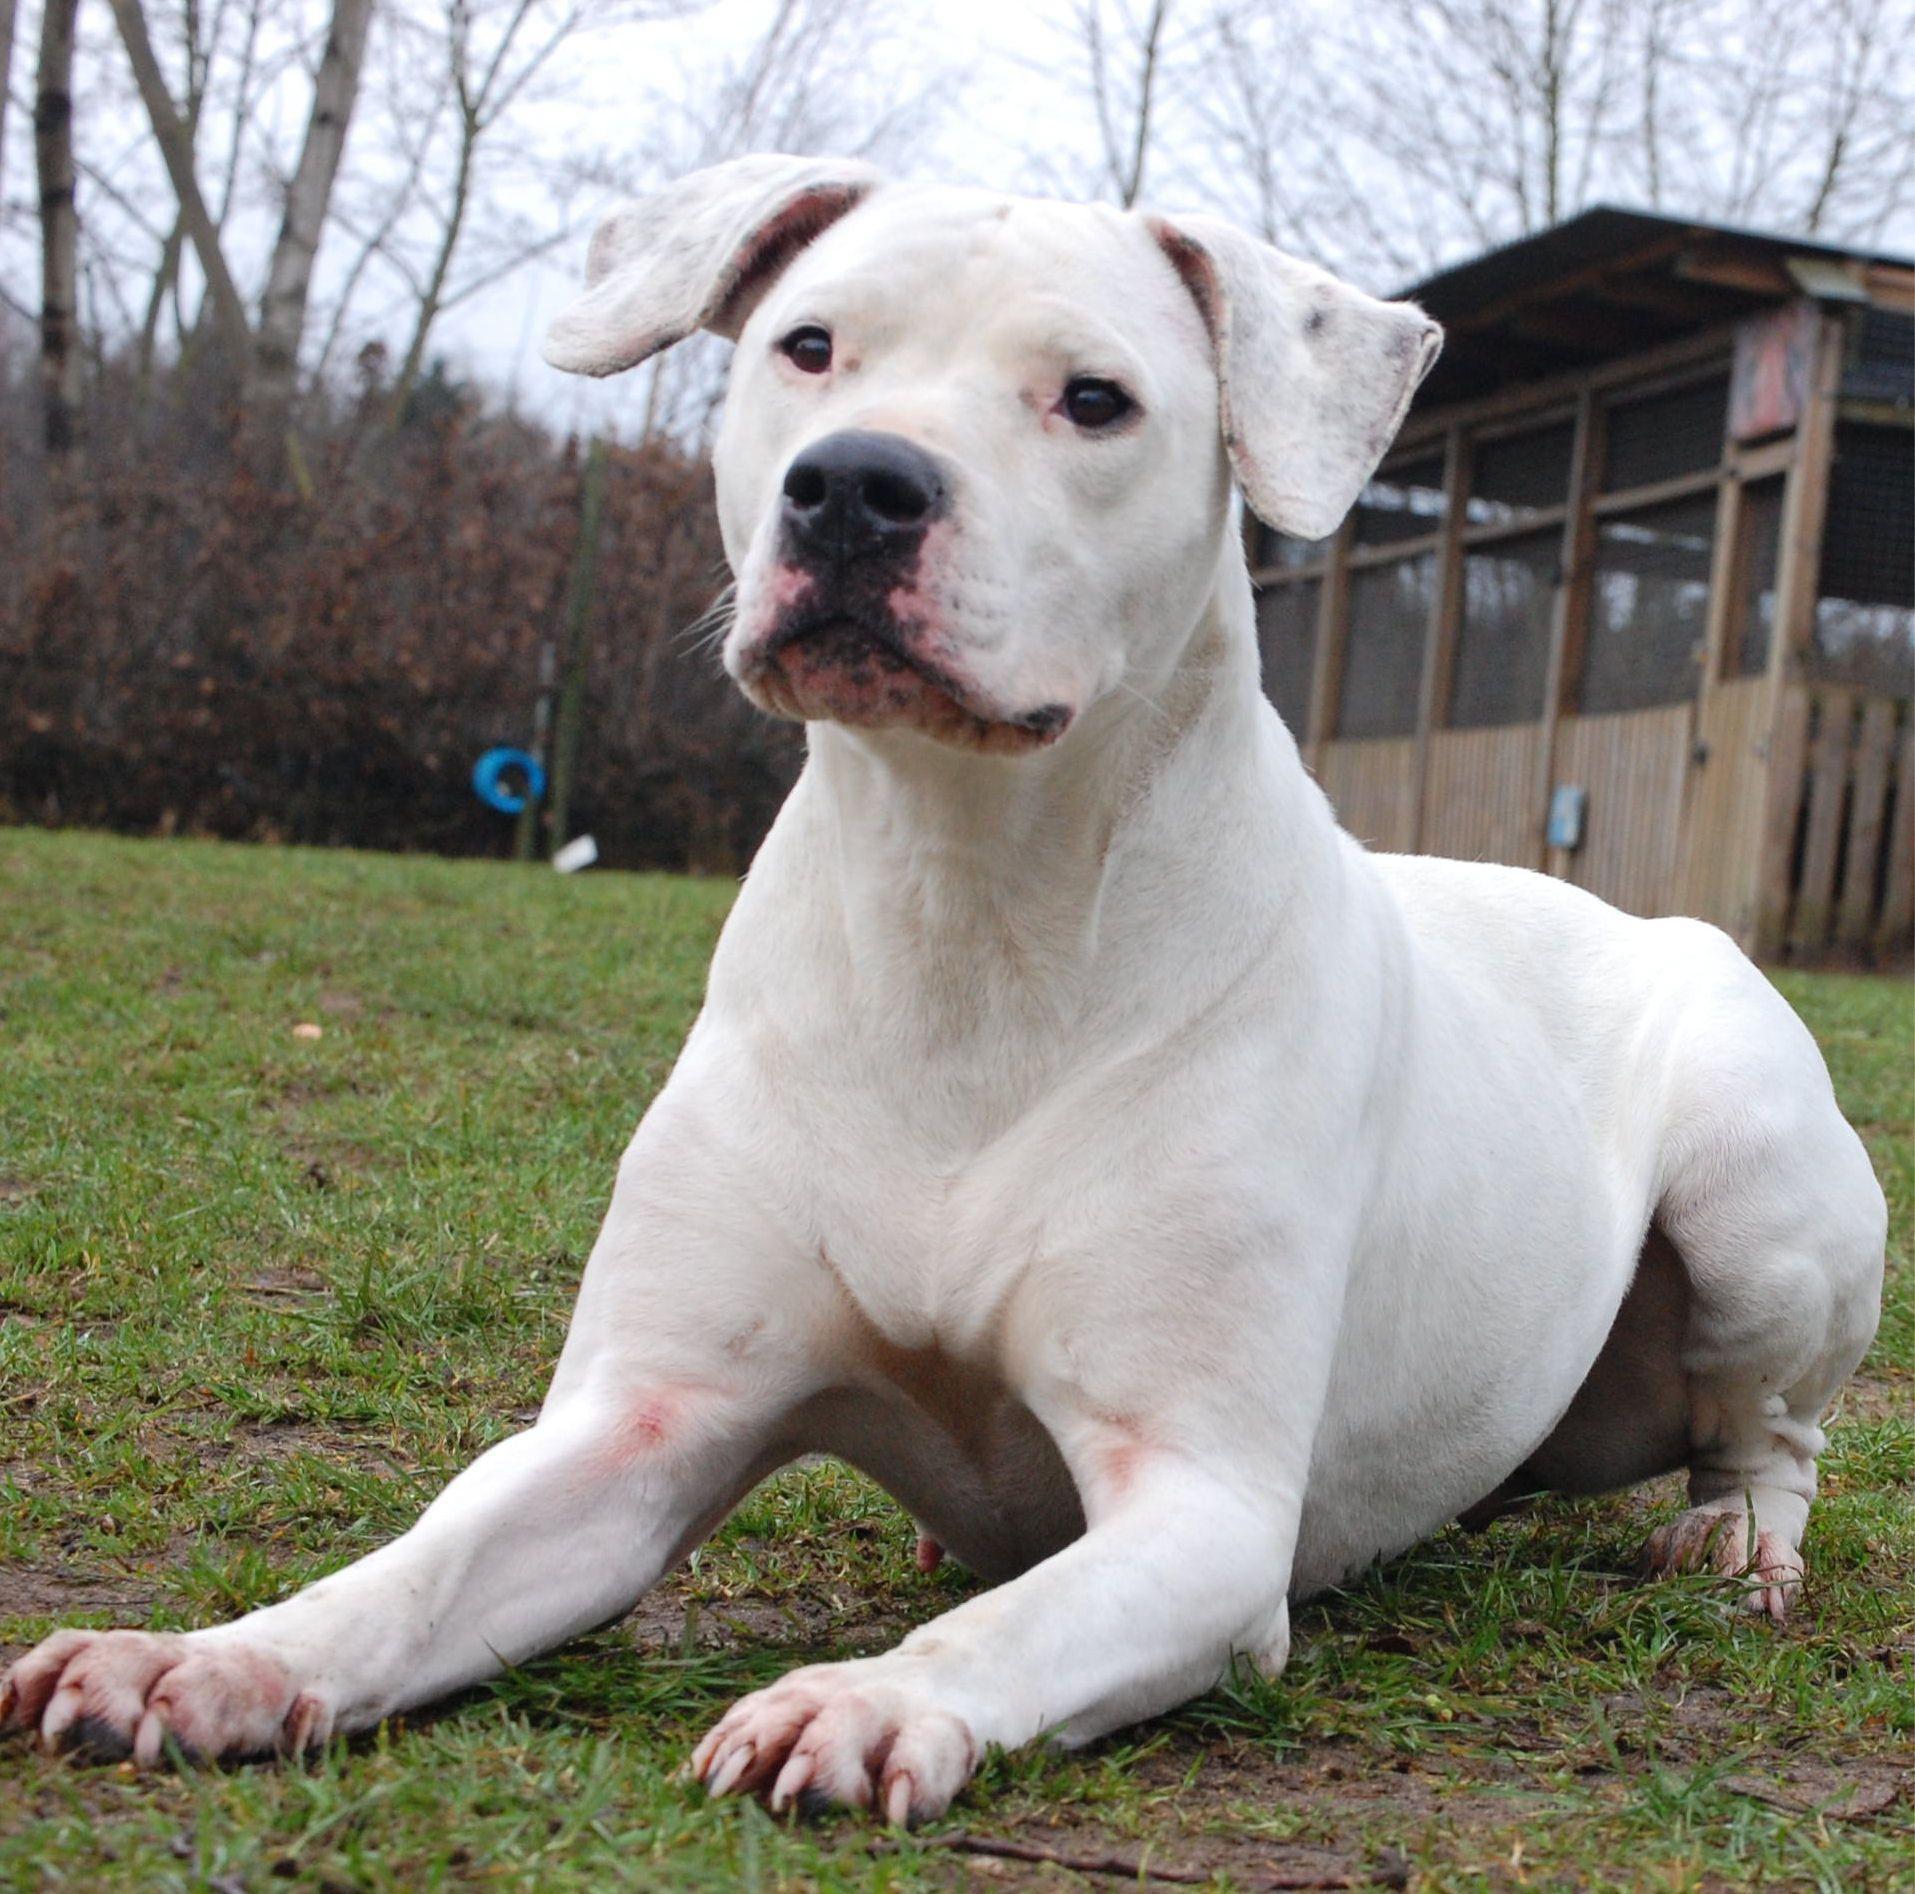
<point>1843,775</point>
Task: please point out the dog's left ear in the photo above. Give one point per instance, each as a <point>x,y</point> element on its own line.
<point>1313,377</point>
<point>698,255</point>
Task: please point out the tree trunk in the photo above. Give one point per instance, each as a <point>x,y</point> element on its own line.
<point>165,277</point>
<point>8,10</point>
<point>59,236</point>
<point>434,291</point>
<point>175,141</point>
<point>282,315</point>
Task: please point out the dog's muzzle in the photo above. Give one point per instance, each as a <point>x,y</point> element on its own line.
<point>853,636</point>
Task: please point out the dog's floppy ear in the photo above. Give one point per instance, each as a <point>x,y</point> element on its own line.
<point>697,255</point>
<point>1313,377</point>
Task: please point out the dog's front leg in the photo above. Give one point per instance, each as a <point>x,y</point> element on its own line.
<point>670,1400</point>
<point>1192,1499</point>
<point>1141,1613</point>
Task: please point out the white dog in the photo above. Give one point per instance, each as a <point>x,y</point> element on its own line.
<point>1174,1205</point>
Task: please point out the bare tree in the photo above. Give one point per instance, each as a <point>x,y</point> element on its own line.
<point>1388,139</point>
<point>493,54</point>
<point>60,358</point>
<point>282,312</point>
<point>173,136</point>
<point>1124,59</point>
<point>265,356</point>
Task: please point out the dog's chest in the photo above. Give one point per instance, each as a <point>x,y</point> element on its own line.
<point>926,1258</point>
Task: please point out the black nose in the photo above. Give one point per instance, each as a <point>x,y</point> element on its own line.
<point>856,495</point>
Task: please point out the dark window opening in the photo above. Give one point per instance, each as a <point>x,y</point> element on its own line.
<point>1649,606</point>
<point>1383,651</point>
<point>1865,611</point>
<point>1520,474</point>
<point>1880,359</point>
<point>1662,436</point>
<point>1500,669</point>
<point>1402,502</point>
<point>1287,642</point>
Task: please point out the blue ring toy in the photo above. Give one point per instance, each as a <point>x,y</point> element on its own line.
<point>488,783</point>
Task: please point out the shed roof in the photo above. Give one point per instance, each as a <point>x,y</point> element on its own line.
<point>1609,282</point>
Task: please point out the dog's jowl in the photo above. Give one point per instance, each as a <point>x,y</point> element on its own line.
<point>1176,1206</point>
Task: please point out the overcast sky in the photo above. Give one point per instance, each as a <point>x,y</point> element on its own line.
<point>1011,110</point>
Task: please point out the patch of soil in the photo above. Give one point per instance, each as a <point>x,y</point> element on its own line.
<point>671,1618</point>
<point>57,1591</point>
<point>1351,1816</point>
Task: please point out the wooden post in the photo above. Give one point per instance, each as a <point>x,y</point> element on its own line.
<point>1567,616</point>
<point>1798,569</point>
<point>1874,764</point>
<point>525,831</point>
<point>1822,838</point>
<point>1892,929</point>
<point>1439,642</point>
<point>578,613</point>
<point>1333,623</point>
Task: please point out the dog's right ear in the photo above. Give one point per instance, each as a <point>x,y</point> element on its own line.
<point>698,255</point>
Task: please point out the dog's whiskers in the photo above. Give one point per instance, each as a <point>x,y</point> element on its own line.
<point>708,631</point>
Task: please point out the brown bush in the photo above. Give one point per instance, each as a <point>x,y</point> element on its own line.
<point>184,647</point>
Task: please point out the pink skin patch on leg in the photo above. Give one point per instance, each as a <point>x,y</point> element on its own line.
<point>930,1553</point>
<point>654,1420</point>
<point>1121,1454</point>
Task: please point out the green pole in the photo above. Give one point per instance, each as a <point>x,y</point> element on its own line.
<point>578,613</point>
<point>525,834</point>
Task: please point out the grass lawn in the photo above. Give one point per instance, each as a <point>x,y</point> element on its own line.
<point>260,1293</point>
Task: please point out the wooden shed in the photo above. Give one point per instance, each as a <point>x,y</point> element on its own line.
<point>1633,599</point>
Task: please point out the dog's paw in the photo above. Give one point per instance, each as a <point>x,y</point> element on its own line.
<point>866,1734</point>
<point>1770,1571</point>
<point>118,1693</point>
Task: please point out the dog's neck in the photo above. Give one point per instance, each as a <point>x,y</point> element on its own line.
<point>1026,900</point>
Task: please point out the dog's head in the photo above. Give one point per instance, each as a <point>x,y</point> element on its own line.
<point>974,469</point>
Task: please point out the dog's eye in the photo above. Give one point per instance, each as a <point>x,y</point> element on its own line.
<point>1091,403</point>
<point>808,348</point>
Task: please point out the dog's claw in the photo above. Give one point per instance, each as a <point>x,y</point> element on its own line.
<point>870,1734</point>
<point>1770,1570</point>
<point>725,1777</point>
<point>793,1778</point>
<point>139,1693</point>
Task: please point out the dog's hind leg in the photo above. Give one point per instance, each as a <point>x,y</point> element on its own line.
<point>1774,1211</point>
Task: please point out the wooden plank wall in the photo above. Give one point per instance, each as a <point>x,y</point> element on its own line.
<point>1632,763</point>
<point>1848,813</point>
<point>1722,820</point>
<point>1479,799</point>
<point>1371,783</point>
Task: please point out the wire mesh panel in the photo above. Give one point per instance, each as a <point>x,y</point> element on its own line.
<point>1383,649</point>
<point>1658,437</point>
<point>1402,502</point>
<point>1865,614</point>
<point>1649,605</point>
<point>1880,360</point>
<point>1502,640</point>
<point>1757,554</point>
<point>1517,475</point>
<point>1287,641</point>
